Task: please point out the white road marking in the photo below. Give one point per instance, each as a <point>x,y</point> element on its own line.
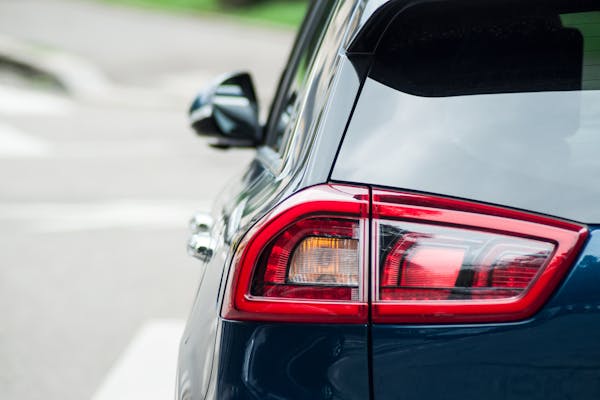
<point>76,74</point>
<point>73,217</point>
<point>17,101</point>
<point>14,143</point>
<point>146,370</point>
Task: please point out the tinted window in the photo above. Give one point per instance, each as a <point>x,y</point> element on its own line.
<point>484,103</point>
<point>474,51</point>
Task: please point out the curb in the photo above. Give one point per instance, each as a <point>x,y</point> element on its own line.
<point>75,75</point>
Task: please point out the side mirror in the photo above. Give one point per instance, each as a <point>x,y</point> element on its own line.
<point>227,112</point>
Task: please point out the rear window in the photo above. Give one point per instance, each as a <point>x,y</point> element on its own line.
<point>497,102</point>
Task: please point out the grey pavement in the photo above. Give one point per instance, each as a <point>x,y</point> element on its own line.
<point>137,46</point>
<point>96,190</point>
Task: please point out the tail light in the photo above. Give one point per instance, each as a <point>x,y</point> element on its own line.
<point>447,261</point>
<point>306,261</point>
<point>433,260</point>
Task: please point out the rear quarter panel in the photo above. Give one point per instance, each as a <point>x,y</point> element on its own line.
<point>554,355</point>
<point>293,361</point>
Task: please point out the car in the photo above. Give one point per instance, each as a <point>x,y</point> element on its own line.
<point>420,219</point>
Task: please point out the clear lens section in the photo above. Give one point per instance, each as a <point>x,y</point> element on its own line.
<point>431,262</point>
<point>325,261</point>
<point>315,258</point>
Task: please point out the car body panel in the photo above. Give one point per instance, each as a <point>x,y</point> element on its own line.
<point>245,200</point>
<point>551,356</point>
<point>329,132</point>
<point>293,361</point>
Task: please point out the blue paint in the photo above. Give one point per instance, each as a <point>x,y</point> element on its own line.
<point>555,355</point>
<point>293,361</point>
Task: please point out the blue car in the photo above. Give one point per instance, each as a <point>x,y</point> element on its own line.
<point>418,221</point>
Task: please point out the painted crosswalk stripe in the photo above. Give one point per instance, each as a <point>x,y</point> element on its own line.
<point>18,101</point>
<point>123,213</point>
<point>146,369</point>
<point>15,143</point>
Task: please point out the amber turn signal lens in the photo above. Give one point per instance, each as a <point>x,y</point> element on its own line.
<point>325,261</point>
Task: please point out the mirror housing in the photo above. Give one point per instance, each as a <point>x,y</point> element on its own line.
<point>227,112</point>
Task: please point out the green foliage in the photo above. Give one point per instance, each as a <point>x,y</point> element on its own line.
<point>283,12</point>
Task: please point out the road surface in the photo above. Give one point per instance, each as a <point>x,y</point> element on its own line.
<point>97,189</point>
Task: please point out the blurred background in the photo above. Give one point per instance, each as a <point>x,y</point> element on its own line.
<point>100,175</point>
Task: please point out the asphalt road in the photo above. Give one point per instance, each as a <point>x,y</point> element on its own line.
<point>97,189</point>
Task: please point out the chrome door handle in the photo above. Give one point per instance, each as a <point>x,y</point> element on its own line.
<point>201,222</point>
<point>199,246</point>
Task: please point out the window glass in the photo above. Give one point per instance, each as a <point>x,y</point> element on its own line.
<point>588,24</point>
<point>490,105</point>
<point>444,50</point>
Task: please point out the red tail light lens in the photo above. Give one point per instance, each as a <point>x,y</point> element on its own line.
<point>430,262</point>
<point>315,258</point>
<point>440,260</point>
<point>305,261</point>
